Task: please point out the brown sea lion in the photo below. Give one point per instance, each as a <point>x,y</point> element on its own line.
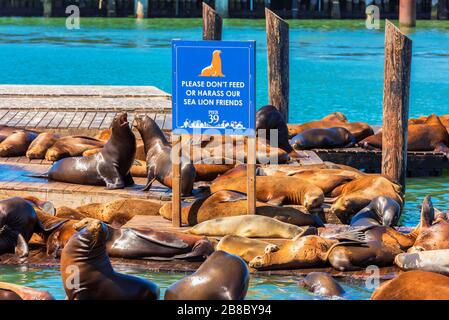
<point>357,194</point>
<point>6,131</point>
<point>323,284</point>
<point>245,248</point>
<point>18,221</point>
<point>433,234</point>
<point>16,144</point>
<point>17,292</point>
<point>277,190</point>
<point>69,213</point>
<point>226,203</point>
<point>85,258</point>
<point>71,146</point>
<point>327,138</point>
<point>222,276</point>
<point>268,118</point>
<point>250,226</point>
<point>380,211</point>
<point>159,162</point>
<point>110,167</point>
<point>38,148</point>
<point>414,285</point>
<point>336,116</point>
<point>209,172</point>
<point>428,136</point>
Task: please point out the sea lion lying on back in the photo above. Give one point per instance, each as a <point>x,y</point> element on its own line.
<point>277,190</point>
<point>38,148</point>
<point>323,138</point>
<point>250,226</point>
<point>357,194</point>
<point>159,162</point>
<point>86,253</point>
<point>72,146</point>
<point>428,136</point>
<point>226,203</point>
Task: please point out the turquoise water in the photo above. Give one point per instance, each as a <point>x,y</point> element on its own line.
<point>261,288</point>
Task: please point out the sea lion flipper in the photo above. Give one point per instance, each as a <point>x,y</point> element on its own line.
<point>21,249</point>
<point>157,238</point>
<point>149,183</point>
<point>129,181</point>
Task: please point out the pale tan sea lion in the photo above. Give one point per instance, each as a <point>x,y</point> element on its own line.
<point>277,190</point>
<point>38,148</point>
<point>250,226</point>
<point>245,248</point>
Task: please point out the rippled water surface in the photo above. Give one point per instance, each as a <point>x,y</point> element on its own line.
<point>261,288</point>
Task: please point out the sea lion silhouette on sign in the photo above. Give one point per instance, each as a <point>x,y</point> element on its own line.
<point>214,70</point>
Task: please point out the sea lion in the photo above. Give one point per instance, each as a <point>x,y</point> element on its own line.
<point>323,284</point>
<point>428,136</point>
<point>380,211</point>
<point>17,143</point>
<point>159,162</point>
<point>209,172</point>
<point>245,248</point>
<point>250,226</point>
<point>109,167</point>
<point>18,292</point>
<point>432,261</point>
<point>226,203</point>
<point>38,148</point>
<point>414,285</point>
<point>277,190</point>
<point>214,70</point>
<point>222,276</point>
<point>357,194</point>
<point>269,118</point>
<point>433,234</point>
<point>6,131</point>
<point>18,221</point>
<point>336,137</point>
<point>85,254</point>
<point>71,146</point>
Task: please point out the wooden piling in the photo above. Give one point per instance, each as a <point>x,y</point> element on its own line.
<point>111,8</point>
<point>278,61</point>
<point>398,58</point>
<point>176,180</point>
<point>47,8</point>
<point>407,13</point>
<point>335,9</point>
<point>212,23</point>
<point>251,175</point>
<point>141,8</point>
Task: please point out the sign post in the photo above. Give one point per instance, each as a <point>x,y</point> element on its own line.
<point>214,94</point>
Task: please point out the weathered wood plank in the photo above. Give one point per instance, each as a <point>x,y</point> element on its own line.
<point>54,123</point>
<point>108,120</point>
<point>26,119</point>
<point>68,118</point>
<point>212,23</point>
<point>87,120</point>
<point>15,120</point>
<point>98,119</point>
<point>37,118</point>
<point>7,117</point>
<point>47,119</point>
<point>77,119</point>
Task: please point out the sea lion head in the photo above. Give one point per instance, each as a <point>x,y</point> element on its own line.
<point>94,230</point>
<point>120,121</point>
<point>388,211</point>
<point>407,261</point>
<point>427,212</point>
<point>148,129</point>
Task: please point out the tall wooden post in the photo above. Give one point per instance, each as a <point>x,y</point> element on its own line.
<point>111,8</point>
<point>47,4</point>
<point>407,13</point>
<point>295,9</point>
<point>434,9</point>
<point>212,23</point>
<point>278,61</point>
<point>398,59</point>
<point>251,175</point>
<point>176,180</point>
<point>141,8</point>
<point>335,9</point>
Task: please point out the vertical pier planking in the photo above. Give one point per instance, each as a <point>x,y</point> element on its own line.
<point>407,13</point>
<point>278,61</point>
<point>176,181</point>
<point>398,58</point>
<point>212,23</point>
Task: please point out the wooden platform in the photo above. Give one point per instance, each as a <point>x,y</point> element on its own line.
<point>80,109</point>
<point>419,164</point>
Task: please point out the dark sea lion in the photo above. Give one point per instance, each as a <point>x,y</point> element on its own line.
<point>222,276</point>
<point>357,194</point>
<point>226,203</point>
<point>85,254</point>
<point>323,138</point>
<point>10,291</point>
<point>245,248</point>
<point>71,146</point>
<point>16,144</point>
<point>18,221</point>
<point>269,118</point>
<point>431,135</point>
<point>433,234</point>
<point>159,162</point>
<point>109,167</point>
<point>431,260</point>
<point>414,285</point>
<point>38,148</point>
<point>209,172</point>
<point>323,284</point>
<point>277,190</point>
<point>380,211</point>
